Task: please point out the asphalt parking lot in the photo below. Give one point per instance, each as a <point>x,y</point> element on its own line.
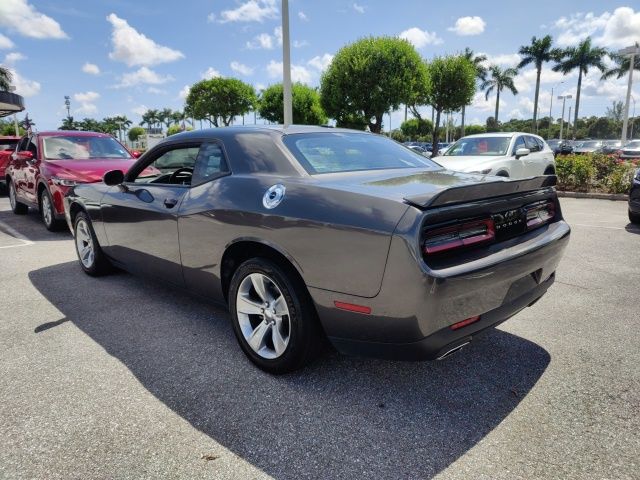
<point>118,377</point>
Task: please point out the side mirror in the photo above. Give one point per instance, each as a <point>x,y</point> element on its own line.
<point>522,152</point>
<point>25,155</point>
<point>135,154</point>
<point>113,177</point>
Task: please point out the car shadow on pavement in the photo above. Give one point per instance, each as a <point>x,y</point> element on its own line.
<point>342,417</point>
<point>632,228</point>
<point>30,226</point>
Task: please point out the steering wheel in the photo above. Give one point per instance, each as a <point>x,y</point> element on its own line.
<point>180,172</point>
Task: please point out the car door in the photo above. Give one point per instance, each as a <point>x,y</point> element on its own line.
<point>534,162</point>
<point>26,169</point>
<point>516,165</point>
<point>141,215</point>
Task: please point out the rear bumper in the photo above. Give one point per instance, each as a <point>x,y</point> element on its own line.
<point>412,314</point>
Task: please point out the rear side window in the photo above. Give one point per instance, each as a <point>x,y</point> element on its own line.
<point>8,144</point>
<point>532,144</point>
<point>333,152</point>
<point>209,164</point>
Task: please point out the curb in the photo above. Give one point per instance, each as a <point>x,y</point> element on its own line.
<point>599,196</point>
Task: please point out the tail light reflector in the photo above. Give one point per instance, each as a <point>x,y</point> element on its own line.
<point>352,307</point>
<point>540,213</point>
<point>464,323</point>
<point>456,236</point>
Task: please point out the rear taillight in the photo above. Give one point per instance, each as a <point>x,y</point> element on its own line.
<point>540,213</point>
<point>457,236</point>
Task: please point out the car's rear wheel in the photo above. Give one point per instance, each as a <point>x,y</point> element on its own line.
<point>92,259</point>
<point>549,171</point>
<point>47,212</point>
<point>273,316</point>
<point>634,217</point>
<point>16,207</point>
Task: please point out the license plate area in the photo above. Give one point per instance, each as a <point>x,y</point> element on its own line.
<point>510,223</point>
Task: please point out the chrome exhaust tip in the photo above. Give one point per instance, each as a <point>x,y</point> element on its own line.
<point>453,350</point>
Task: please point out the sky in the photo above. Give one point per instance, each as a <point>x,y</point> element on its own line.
<point>122,57</point>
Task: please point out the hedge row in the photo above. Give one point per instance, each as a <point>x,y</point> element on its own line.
<point>594,173</point>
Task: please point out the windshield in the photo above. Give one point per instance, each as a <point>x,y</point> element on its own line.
<point>479,146</point>
<point>590,144</point>
<point>8,144</point>
<point>82,147</point>
<point>634,144</point>
<point>346,152</point>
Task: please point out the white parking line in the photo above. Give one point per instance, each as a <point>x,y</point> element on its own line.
<point>15,234</point>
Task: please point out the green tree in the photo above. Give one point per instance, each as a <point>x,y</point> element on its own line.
<point>615,111</point>
<point>5,78</point>
<point>370,77</point>
<point>305,104</point>
<point>474,129</point>
<point>166,117</point>
<point>416,127</point>
<point>537,53</point>
<point>481,75</point>
<point>452,85</point>
<point>498,81</point>
<point>582,57</point>
<point>220,99</point>
<point>135,133</point>
<point>68,123</point>
<point>622,63</point>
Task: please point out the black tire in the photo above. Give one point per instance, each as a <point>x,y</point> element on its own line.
<point>306,337</point>
<point>549,171</point>
<point>48,213</point>
<point>634,217</point>
<point>99,264</point>
<point>502,174</point>
<point>16,207</point>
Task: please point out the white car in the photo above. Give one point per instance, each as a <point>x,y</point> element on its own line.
<point>513,154</point>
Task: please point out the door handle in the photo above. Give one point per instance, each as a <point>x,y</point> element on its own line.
<point>170,202</point>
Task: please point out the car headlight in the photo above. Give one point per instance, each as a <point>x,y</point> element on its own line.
<point>483,172</point>
<point>65,182</point>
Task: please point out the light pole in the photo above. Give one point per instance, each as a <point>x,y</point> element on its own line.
<point>550,107</point>
<point>633,118</point>
<point>631,51</point>
<point>564,100</point>
<point>286,65</point>
<point>15,115</point>
<point>67,103</point>
<point>569,123</point>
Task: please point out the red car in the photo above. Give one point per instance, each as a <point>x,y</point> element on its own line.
<point>46,165</point>
<point>7,147</point>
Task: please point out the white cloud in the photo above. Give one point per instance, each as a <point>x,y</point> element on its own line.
<point>134,48</point>
<point>266,41</point>
<point>579,26</point>
<point>358,8</point>
<point>321,63</point>
<point>507,59</point>
<point>156,91</point>
<point>251,11</point>
<point>91,68</point>
<point>210,73</point>
<point>24,86</point>
<point>622,28</point>
<point>299,73</point>
<point>241,68</point>
<point>466,26</point>
<point>86,100</point>
<point>184,92</point>
<point>515,113</point>
<point>140,110</point>
<point>300,43</point>
<point>420,38</point>
<point>13,57</point>
<point>277,32</point>
<point>480,103</point>
<point>211,18</point>
<point>5,43</point>
<point>526,79</point>
<point>23,18</point>
<point>143,75</point>
<point>302,16</point>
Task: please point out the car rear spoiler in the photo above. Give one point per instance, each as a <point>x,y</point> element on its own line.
<point>478,191</point>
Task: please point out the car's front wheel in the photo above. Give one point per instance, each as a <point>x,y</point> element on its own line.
<point>47,212</point>
<point>16,207</point>
<point>273,316</point>
<point>92,259</point>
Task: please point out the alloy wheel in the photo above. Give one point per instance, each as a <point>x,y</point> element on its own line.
<point>263,315</point>
<point>47,214</point>
<point>84,243</point>
<point>12,195</point>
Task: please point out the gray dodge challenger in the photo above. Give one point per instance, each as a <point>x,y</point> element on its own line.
<point>312,233</point>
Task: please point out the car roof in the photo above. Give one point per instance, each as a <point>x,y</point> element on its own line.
<point>499,134</point>
<point>223,132</point>
<point>77,133</point>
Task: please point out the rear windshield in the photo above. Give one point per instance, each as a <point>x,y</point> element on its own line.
<point>333,152</point>
<point>634,144</point>
<point>70,147</point>
<point>8,144</point>
<point>474,146</point>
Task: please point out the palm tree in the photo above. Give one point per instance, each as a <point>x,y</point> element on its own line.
<point>481,74</point>
<point>5,78</point>
<point>582,57</point>
<point>538,52</point>
<point>165,117</point>
<point>498,81</point>
<point>622,65</point>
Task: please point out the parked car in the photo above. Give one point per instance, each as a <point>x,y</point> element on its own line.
<point>46,164</point>
<point>421,150</point>
<point>610,147</point>
<point>7,147</point>
<point>630,151</point>
<point>306,231</point>
<point>634,199</point>
<point>515,155</point>
<point>560,147</point>
<point>588,146</point>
